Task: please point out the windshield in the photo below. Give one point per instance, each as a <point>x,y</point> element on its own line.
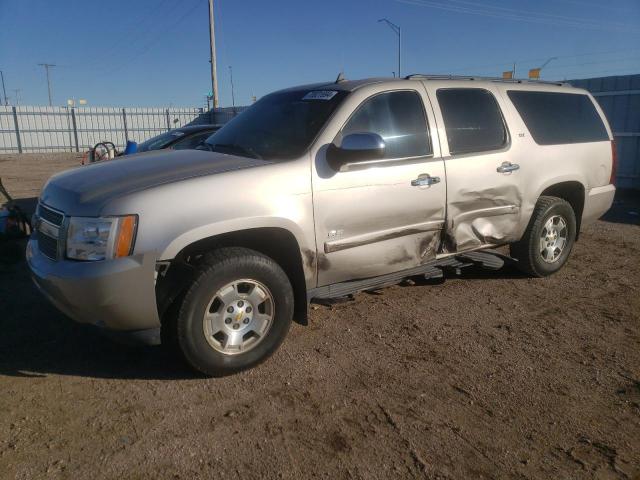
<point>279,126</point>
<point>160,141</point>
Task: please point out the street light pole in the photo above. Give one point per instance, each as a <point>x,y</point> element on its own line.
<point>212,45</point>
<point>6,102</point>
<point>47,66</point>
<point>398,32</point>
<point>233,97</point>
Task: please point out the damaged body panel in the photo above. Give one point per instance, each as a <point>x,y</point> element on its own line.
<point>486,215</point>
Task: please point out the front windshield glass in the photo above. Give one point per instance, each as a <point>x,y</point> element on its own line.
<point>279,126</point>
<point>159,142</point>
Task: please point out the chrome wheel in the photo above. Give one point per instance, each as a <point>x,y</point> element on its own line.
<point>238,317</point>
<point>553,238</point>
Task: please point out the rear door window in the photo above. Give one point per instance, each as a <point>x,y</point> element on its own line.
<point>555,118</point>
<point>472,119</point>
<point>399,118</point>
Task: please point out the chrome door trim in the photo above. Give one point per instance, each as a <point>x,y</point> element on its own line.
<point>381,235</point>
<point>489,212</point>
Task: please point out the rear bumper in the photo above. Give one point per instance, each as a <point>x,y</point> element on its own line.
<point>116,295</point>
<point>598,201</point>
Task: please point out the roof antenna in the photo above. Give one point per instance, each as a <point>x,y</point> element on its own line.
<point>340,78</point>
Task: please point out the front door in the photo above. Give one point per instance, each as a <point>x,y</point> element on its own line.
<point>388,217</point>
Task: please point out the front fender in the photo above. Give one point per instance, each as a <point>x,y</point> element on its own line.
<point>230,226</point>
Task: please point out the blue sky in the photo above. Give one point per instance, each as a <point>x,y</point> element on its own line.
<point>155,52</point>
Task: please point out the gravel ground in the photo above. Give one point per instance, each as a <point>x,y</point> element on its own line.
<point>486,375</point>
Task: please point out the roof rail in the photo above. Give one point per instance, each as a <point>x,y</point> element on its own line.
<point>480,78</point>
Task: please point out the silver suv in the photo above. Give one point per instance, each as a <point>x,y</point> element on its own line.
<point>317,192</point>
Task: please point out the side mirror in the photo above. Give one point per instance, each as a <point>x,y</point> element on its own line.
<point>356,148</point>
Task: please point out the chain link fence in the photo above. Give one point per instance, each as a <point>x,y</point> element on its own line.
<point>32,129</point>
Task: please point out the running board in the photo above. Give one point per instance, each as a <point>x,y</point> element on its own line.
<point>433,269</point>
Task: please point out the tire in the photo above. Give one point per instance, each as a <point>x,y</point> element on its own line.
<point>233,278</point>
<point>529,253</point>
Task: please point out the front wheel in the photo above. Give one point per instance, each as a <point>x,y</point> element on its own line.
<point>549,238</point>
<point>236,312</point>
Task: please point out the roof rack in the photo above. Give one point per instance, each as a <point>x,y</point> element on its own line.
<point>479,78</point>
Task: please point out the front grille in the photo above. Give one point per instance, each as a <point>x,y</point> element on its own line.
<point>48,245</point>
<point>49,226</point>
<point>50,215</point>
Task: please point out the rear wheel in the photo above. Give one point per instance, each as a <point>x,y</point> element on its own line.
<point>549,238</point>
<point>236,312</point>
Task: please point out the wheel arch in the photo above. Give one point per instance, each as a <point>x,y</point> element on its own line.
<point>573,192</point>
<point>277,243</point>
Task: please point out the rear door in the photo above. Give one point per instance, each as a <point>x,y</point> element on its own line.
<point>380,219</point>
<point>484,173</point>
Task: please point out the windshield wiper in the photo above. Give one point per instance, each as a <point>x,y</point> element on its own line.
<point>235,148</point>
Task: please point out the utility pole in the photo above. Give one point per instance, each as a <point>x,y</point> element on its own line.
<point>17,92</point>
<point>47,66</point>
<point>212,44</point>
<point>6,102</point>
<point>233,97</point>
<point>396,29</point>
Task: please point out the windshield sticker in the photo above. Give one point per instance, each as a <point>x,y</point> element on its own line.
<point>320,95</point>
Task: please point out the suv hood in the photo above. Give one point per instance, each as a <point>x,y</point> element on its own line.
<point>74,190</point>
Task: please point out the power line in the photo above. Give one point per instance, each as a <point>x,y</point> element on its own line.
<point>153,40</point>
<point>597,73</point>
<point>517,15</point>
<point>556,67</point>
<point>501,12</point>
<point>512,11</point>
<point>540,59</point>
<point>604,5</point>
<point>148,24</point>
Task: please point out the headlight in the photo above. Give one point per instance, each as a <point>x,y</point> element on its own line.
<point>101,238</point>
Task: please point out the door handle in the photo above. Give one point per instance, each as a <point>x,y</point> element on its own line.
<point>424,180</point>
<point>507,167</point>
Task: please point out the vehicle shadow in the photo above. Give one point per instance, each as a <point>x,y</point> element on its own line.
<point>625,208</point>
<point>37,340</point>
<point>476,272</point>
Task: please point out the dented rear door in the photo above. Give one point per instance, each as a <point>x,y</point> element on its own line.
<point>484,169</point>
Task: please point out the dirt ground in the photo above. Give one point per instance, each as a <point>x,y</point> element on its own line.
<point>487,375</point>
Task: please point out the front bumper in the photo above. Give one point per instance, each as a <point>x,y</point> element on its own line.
<point>116,295</point>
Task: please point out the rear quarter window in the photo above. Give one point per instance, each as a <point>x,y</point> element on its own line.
<point>555,118</point>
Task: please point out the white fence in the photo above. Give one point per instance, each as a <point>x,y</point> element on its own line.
<point>25,129</point>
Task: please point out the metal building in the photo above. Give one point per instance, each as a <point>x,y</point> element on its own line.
<point>619,97</point>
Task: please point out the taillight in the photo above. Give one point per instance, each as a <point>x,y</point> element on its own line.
<point>614,162</point>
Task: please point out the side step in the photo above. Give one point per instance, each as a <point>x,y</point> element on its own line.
<point>430,270</point>
<point>487,259</point>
